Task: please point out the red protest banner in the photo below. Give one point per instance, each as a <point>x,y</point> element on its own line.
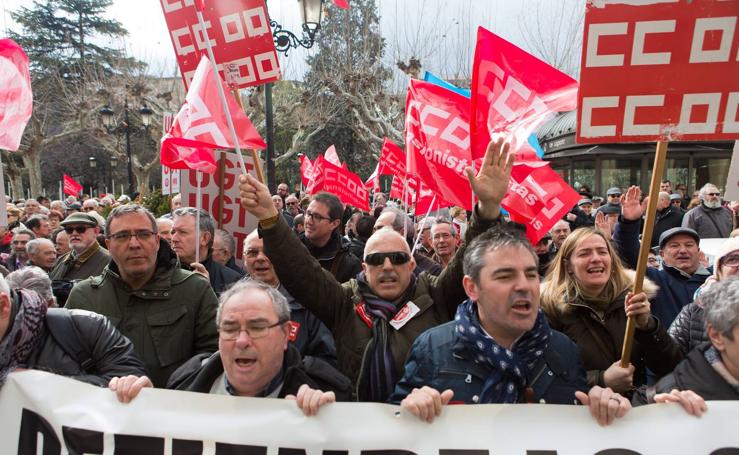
<point>513,93</point>
<point>16,100</point>
<point>392,159</point>
<point>306,170</point>
<point>437,140</point>
<point>71,186</point>
<point>346,185</point>
<point>659,71</point>
<point>239,32</point>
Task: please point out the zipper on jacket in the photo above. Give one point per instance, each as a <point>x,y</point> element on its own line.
<point>361,368</point>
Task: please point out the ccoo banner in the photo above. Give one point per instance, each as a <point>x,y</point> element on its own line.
<point>44,413</point>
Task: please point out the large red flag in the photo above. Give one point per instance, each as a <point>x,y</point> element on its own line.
<point>513,93</point>
<point>201,126</point>
<point>392,159</point>
<point>16,98</point>
<point>306,170</point>
<point>344,4</point>
<point>437,140</point>
<point>71,187</point>
<point>346,185</point>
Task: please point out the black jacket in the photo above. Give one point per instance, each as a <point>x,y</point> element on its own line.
<point>582,219</point>
<point>687,329</point>
<point>668,218</point>
<point>221,277</point>
<point>334,257</point>
<point>110,353</point>
<point>200,373</point>
<point>694,373</point>
<point>307,333</point>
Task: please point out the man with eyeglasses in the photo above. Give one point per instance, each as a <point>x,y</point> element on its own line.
<point>292,205</point>
<point>86,258</point>
<point>376,316</point>
<point>613,202</point>
<point>710,219</point>
<point>168,313</point>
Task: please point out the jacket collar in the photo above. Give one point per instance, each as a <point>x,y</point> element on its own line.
<point>327,251</point>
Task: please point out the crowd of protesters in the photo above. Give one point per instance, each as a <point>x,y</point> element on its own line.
<point>332,303</point>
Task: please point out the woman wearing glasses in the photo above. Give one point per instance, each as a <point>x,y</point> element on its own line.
<point>688,329</point>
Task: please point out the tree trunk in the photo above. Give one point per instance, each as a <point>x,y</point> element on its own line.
<point>32,162</point>
<point>141,177</point>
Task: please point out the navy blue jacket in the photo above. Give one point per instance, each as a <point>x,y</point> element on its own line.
<point>440,360</point>
<point>675,289</point>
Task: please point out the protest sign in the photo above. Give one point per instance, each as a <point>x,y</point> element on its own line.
<point>236,220</point>
<point>239,32</point>
<point>44,413</point>
<point>659,70</point>
<point>170,180</point>
<point>732,183</point>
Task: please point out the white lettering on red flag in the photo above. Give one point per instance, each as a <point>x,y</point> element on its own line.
<point>239,32</point>
<point>659,71</point>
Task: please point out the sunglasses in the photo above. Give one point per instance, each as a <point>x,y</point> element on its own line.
<point>396,258</point>
<point>77,229</point>
<point>714,194</point>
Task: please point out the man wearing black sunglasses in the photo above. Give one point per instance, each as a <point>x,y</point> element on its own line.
<point>376,317</point>
<point>710,219</point>
<point>86,258</point>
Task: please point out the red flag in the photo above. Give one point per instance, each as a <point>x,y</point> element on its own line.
<point>331,156</point>
<point>392,159</point>
<point>373,181</point>
<point>437,140</point>
<point>201,125</point>
<point>344,4</point>
<point>16,97</point>
<point>513,93</point>
<point>71,187</point>
<point>346,185</point>
<point>306,170</point>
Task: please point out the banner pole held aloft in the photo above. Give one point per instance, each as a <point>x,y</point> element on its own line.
<point>646,240</point>
<point>254,154</point>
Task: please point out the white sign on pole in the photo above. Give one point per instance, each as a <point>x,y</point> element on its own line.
<point>170,180</point>
<point>49,414</point>
<point>236,220</point>
<point>732,183</point>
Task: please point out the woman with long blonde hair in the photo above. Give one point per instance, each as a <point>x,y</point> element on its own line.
<point>587,296</point>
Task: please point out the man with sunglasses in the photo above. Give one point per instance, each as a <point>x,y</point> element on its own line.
<point>86,258</point>
<point>167,312</point>
<point>710,219</point>
<point>376,316</point>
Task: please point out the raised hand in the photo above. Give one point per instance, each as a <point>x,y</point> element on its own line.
<point>491,182</point>
<point>255,197</point>
<point>631,208</point>
<point>601,222</point>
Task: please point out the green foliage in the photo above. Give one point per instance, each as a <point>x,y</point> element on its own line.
<point>157,203</point>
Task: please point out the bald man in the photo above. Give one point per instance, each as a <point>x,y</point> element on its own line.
<point>376,316</point>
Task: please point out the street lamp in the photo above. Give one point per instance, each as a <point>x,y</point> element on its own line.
<point>93,162</point>
<point>107,115</point>
<point>310,12</point>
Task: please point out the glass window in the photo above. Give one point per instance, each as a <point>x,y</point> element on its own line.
<point>620,172</point>
<point>710,170</point>
<point>583,173</point>
<point>676,171</point>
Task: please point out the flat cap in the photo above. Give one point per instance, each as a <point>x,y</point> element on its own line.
<point>665,236</point>
<point>79,218</point>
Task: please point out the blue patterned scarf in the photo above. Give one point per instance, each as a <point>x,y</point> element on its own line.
<point>507,377</point>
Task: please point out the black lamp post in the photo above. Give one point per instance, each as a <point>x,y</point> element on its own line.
<point>107,115</point>
<point>311,12</point>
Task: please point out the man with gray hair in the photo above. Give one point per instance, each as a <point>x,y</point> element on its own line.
<point>224,250</point>
<point>444,240</point>
<point>403,225</point>
<point>167,312</point>
<point>710,219</point>
<point>33,279</point>
<point>185,243</point>
<point>41,253</point>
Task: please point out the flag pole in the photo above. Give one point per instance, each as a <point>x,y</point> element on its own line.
<point>646,240</point>
<point>221,93</point>
<point>198,205</point>
<point>418,234</point>
<point>254,154</point>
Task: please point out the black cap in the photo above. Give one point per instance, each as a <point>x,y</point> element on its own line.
<point>610,209</point>
<point>675,231</point>
<point>676,197</point>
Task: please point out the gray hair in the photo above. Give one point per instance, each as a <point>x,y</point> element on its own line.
<point>91,202</point>
<point>279,302</point>
<point>207,222</point>
<point>130,209</point>
<point>704,189</point>
<point>20,230</point>
<point>401,223</point>
<point>721,305</point>
<point>491,240</point>
<point>452,229</point>
<point>229,242</point>
<point>31,278</point>
<point>33,246</point>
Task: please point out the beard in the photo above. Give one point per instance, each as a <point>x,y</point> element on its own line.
<point>712,204</point>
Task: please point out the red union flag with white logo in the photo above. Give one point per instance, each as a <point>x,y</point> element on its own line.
<point>437,140</point>
<point>239,32</point>
<point>346,185</point>
<point>16,98</point>
<point>659,70</point>
<point>513,93</point>
<point>201,126</point>
<point>71,186</point>
<point>392,159</point>
<point>306,170</point>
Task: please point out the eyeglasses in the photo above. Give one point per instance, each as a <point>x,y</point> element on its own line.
<point>731,261</point>
<point>396,258</point>
<point>614,195</point>
<point>714,194</point>
<point>232,332</point>
<point>125,236</point>
<point>77,229</point>
<point>315,216</point>
<point>292,203</point>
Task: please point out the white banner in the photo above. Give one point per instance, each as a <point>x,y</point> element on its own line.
<point>236,220</point>
<point>59,415</point>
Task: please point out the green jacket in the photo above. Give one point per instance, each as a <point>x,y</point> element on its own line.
<point>169,320</point>
<point>72,266</point>
<point>338,305</point>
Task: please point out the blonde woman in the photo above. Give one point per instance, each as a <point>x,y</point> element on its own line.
<point>585,295</point>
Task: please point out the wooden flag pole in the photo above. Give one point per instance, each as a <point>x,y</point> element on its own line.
<point>254,154</point>
<point>646,240</point>
<point>221,187</point>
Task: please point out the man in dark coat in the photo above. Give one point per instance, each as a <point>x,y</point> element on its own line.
<point>668,217</point>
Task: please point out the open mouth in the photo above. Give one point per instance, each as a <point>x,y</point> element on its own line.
<point>522,306</point>
<point>596,270</point>
<point>245,362</point>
